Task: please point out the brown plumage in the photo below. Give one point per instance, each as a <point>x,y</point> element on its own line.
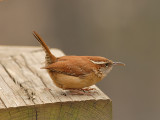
<point>75,72</point>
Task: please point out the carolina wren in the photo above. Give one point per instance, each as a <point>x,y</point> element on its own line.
<point>75,72</point>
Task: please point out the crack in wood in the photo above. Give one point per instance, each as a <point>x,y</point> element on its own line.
<point>36,114</point>
<point>9,74</point>
<point>2,102</point>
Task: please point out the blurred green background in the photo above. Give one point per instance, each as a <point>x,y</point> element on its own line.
<point>121,30</point>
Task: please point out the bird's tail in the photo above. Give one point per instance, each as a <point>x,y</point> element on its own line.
<point>50,58</point>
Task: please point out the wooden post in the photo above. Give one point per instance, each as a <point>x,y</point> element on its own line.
<point>25,94</point>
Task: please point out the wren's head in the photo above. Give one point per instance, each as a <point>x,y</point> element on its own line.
<point>105,65</point>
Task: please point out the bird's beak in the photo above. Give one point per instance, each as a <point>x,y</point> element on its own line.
<point>118,63</point>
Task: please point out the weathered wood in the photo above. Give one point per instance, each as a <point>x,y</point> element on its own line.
<point>25,94</point>
<point>14,50</point>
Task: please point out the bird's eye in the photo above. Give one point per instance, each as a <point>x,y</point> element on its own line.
<point>107,64</point>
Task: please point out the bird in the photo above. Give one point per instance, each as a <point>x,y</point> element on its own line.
<point>75,73</point>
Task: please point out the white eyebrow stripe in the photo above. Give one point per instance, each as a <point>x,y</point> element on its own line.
<point>98,62</point>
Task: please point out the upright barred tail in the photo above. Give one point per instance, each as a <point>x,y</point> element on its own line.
<point>50,58</point>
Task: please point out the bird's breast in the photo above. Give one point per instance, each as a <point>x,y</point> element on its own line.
<point>65,81</point>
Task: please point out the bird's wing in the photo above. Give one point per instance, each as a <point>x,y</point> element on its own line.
<point>71,67</point>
